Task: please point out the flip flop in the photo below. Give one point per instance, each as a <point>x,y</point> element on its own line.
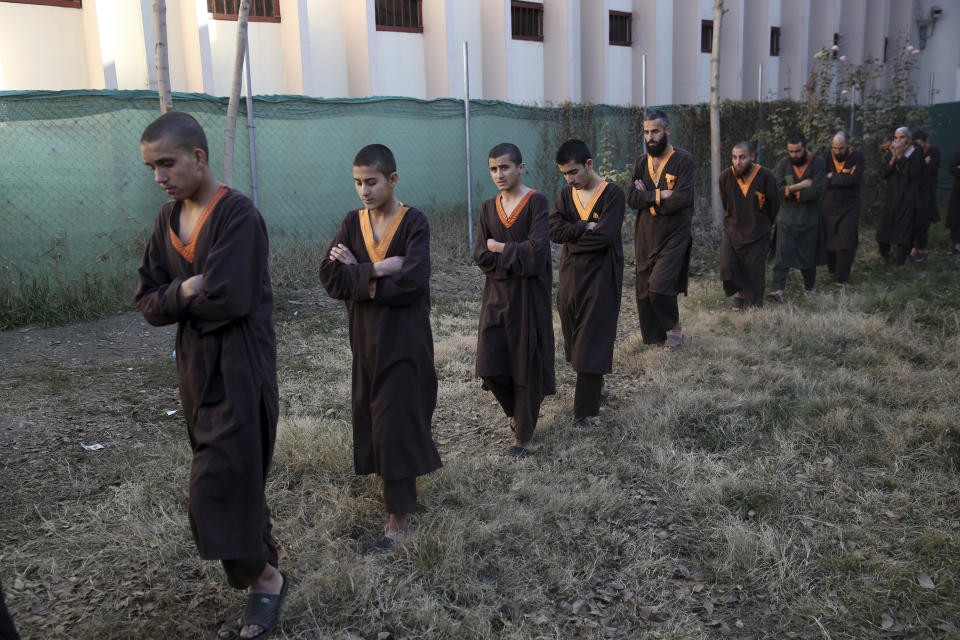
<point>227,628</point>
<point>263,610</point>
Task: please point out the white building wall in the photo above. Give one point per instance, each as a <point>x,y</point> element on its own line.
<point>941,56</point>
<point>701,90</point>
<point>562,55</point>
<point>593,49</point>
<point>447,24</point>
<point>496,36</point>
<point>27,34</point>
<point>732,38</point>
<point>653,37</point>
<point>400,64</point>
<point>525,72</point>
<point>266,56</point>
<point>618,77</point>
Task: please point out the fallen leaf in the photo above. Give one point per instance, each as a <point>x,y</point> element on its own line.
<point>925,581</point>
<point>886,622</point>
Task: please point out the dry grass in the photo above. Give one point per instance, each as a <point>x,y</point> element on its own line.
<point>790,473</point>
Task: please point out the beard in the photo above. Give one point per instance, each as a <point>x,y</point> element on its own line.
<point>799,162</point>
<point>656,149</point>
<point>745,172</point>
<point>841,156</point>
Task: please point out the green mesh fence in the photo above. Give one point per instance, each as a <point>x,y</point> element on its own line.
<point>75,196</point>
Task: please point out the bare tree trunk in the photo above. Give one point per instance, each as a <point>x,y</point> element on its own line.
<point>163,66</point>
<point>716,205</point>
<point>234,103</point>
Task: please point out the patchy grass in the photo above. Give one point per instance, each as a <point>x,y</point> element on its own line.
<point>792,473</point>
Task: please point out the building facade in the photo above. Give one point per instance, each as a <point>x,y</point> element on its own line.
<point>530,51</point>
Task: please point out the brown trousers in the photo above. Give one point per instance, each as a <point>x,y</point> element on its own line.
<point>518,402</point>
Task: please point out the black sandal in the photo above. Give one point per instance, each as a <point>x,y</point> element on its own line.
<point>227,628</point>
<point>518,453</point>
<point>737,304</point>
<point>263,610</point>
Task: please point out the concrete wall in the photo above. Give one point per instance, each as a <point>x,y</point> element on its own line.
<point>42,48</point>
<point>562,61</point>
<point>496,34</point>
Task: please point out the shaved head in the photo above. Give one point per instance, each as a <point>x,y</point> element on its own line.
<point>841,138</point>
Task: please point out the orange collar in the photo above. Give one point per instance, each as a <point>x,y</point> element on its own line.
<point>187,250</point>
<point>839,168</point>
<point>745,185</point>
<point>585,211</point>
<point>656,176</point>
<point>802,169</point>
<point>377,249</point>
<point>509,220</point>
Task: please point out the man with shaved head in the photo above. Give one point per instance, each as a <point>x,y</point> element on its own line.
<point>903,172</point>
<point>751,201</point>
<point>841,205</point>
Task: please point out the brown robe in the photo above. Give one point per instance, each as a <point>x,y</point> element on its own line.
<point>663,234</point>
<point>226,360</point>
<point>515,337</point>
<point>590,275</point>
<point>841,200</point>
<point>394,381</point>
<point>905,179</point>
<point>953,211</point>
<point>750,207</point>
<point>928,209</point>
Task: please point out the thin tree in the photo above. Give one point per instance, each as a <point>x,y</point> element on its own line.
<point>163,66</point>
<point>234,104</point>
<point>716,205</point>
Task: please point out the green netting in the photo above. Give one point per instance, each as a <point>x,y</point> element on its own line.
<point>74,192</point>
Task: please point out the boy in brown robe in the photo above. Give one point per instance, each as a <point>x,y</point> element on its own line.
<point>750,205</point>
<point>205,268</point>
<point>661,190</point>
<point>379,264</point>
<point>586,220</point>
<point>515,337</point>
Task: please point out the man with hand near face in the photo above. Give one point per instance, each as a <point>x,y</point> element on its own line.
<point>903,172</point>
<point>841,206</point>
<point>661,190</point>
<point>800,242</point>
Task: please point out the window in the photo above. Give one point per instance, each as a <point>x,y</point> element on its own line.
<point>621,28</point>
<point>886,47</point>
<point>76,4</point>
<point>706,36</point>
<point>399,15</point>
<point>260,10</point>
<point>774,41</point>
<point>526,20</point>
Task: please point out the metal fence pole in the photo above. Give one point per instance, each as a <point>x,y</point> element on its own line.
<point>466,121</point>
<point>853,106</point>
<point>253,145</point>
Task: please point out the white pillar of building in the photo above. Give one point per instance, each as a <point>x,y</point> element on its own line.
<point>358,26</point>
<point>447,24</point>
<point>496,36</point>
<point>653,36</point>
<point>562,52</point>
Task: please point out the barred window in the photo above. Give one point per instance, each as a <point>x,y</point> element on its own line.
<point>706,36</point>
<point>621,28</point>
<point>526,20</point>
<point>260,10</point>
<point>774,41</point>
<point>399,15</point>
<point>74,4</point>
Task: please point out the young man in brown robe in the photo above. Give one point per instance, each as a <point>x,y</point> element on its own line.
<point>515,338</point>
<point>750,205</point>
<point>205,268</point>
<point>928,210</point>
<point>801,241</point>
<point>586,220</point>
<point>903,171</point>
<point>953,210</point>
<point>661,190</point>
<point>379,264</point>
<point>841,206</point>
